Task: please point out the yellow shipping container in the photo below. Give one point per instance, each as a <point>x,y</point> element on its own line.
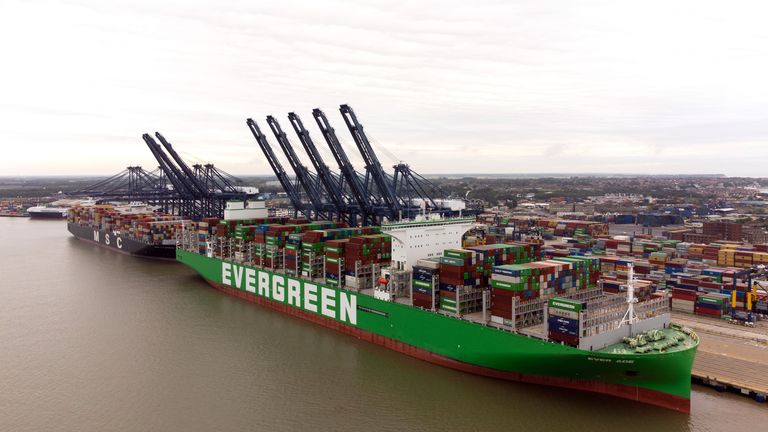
<point>760,256</point>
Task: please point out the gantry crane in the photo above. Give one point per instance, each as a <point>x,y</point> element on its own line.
<point>187,202</point>
<point>372,165</point>
<point>358,188</point>
<point>306,179</point>
<point>371,198</point>
<point>282,176</point>
<point>333,185</point>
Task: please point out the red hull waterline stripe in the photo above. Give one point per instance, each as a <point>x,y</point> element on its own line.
<point>638,394</point>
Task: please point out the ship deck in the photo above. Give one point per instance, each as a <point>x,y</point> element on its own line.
<point>682,341</point>
<point>666,344</point>
<point>476,317</point>
<point>718,362</point>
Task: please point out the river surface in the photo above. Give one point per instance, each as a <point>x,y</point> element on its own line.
<point>94,340</point>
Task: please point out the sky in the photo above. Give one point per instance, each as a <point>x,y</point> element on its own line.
<point>652,87</point>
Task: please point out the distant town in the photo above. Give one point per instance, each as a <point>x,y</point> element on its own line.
<point>681,203</point>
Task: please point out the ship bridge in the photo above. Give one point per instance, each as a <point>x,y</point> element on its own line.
<point>425,237</point>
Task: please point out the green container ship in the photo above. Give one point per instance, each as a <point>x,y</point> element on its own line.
<point>657,373</point>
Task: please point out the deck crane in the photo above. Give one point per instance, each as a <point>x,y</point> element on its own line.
<point>307,181</point>
<point>282,176</point>
<point>357,188</point>
<point>372,164</point>
<point>334,185</point>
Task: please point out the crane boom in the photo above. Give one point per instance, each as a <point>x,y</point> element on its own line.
<point>277,168</point>
<point>372,164</point>
<point>357,189</point>
<point>333,186</point>
<point>173,173</point>
<point>190,203</point>
<point>184,167</point>
<point>302,173</point>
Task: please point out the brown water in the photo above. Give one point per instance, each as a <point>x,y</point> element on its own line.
<point>93,340</point>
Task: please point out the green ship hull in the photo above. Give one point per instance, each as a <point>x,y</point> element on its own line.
<point>659,378</point>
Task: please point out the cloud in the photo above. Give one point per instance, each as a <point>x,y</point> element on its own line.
<point>486,86</point>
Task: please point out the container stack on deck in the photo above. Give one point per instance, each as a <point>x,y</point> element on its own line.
<point>465,273</point>
<point>457,275</point>
<point>334,261</point>
<point>317,250</point>
<point>312,254</point>
<point>363,258</point>
<point>314,258</point>
<point>563,320</point>
<point>149,228</point>
<point>539,279</point>
<point>293,248</point>
<point>425,283</point>
<point>643,288</point>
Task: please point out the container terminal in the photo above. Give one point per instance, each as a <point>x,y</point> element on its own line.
<point>391,259</point>
<point>463,308</point>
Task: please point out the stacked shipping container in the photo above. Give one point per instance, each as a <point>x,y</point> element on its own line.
<point>424,283</point>
<point>541,279</point>
<point>711,304</point>
<point>363,257</point>
<point>150,228</point>
<point>563,324</point>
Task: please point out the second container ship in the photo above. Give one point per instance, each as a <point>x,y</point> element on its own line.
<point>135,229</point>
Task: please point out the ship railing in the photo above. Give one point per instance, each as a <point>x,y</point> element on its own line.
<point>607,319</point>
<point>605,301</point>
<point>602,323</point>
<point>531,312</point>
<point>496,326</point>
<point>652,307</point>
<point>586,294</point>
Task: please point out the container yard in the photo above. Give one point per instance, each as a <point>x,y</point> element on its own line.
<point>714,279</point>
<point>14,208</point>
<point>562,281</point>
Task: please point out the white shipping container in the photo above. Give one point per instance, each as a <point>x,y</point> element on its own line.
<point>428,264</point>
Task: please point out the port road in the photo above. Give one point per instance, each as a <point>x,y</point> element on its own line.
<point>730,356</point>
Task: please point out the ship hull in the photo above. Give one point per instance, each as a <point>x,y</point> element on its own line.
<point>47,215</point>
<point>658,379</point>
<point>116,243</point>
